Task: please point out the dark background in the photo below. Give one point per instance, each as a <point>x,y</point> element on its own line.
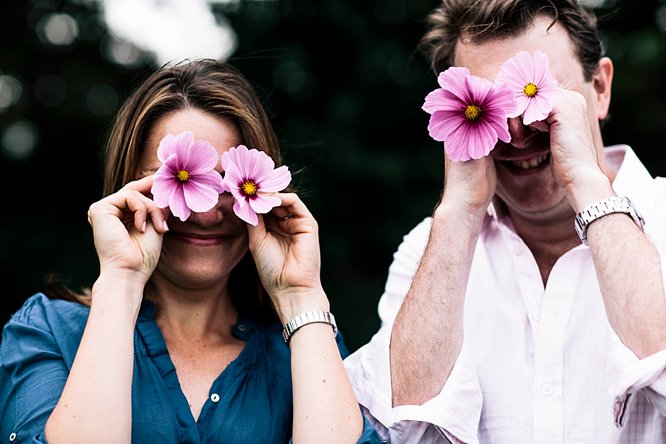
<point>344,86</point>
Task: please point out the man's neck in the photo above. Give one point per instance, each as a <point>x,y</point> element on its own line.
<point>548,239</point>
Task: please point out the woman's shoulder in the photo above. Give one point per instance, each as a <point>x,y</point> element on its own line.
<point>41,316</point>
<point>39,308</point>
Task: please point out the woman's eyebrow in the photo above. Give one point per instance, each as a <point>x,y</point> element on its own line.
<point>148,171</point>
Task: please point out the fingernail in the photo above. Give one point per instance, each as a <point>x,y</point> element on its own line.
<point>164,224</point>
<point>143,227</point>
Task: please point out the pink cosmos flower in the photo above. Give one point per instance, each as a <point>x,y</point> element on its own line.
<point>250,175</point>
<point>187,180</point>
<point>468,114</point>
<point>533,85</point>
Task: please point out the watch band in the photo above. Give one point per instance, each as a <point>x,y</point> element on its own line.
<point>308,318</point>
<point>609,205</point>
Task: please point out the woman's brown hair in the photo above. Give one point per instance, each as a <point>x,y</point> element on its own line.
<point>214,87</point>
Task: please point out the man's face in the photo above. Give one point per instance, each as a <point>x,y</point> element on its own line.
<point>524,178</point>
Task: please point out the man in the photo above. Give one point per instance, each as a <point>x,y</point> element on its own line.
<point>498,324</point>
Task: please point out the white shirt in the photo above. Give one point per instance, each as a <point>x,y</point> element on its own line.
<point>537,365</point>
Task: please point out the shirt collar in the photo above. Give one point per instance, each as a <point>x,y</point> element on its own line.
<point>630,179</point>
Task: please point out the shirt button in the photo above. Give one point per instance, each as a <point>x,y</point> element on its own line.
<point>517,250</point>
<point>536,315</point>
<point>547,389</point>
<point>215,397</point>
<point>241,327</point>
<point>12,437</point>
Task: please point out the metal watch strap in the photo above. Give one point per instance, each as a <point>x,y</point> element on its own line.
<point>609,205</point>
<point>308,318</point>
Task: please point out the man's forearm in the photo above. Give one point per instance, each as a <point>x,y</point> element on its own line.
<point>629,271</point>
<point>428,330</point>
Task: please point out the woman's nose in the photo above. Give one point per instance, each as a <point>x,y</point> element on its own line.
<point>520,134</point>
<point>216,214</point>
<point>207,218</point>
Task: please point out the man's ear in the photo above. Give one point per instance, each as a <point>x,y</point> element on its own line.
<point>601,82</point>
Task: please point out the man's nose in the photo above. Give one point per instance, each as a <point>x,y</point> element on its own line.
<point>520,134</point>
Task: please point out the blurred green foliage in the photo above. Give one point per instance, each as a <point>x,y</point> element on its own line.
<point>344,86</point>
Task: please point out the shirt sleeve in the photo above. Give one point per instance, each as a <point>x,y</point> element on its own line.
<point>629,374</point>
<point>451,416</point>
<point>32,374</point>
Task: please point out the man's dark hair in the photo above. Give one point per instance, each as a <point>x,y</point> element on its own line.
<point>479,21</point>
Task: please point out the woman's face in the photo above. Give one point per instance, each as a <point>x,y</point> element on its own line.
<point>200,252</point>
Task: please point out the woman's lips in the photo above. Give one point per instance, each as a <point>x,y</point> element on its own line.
<point>200,239</point>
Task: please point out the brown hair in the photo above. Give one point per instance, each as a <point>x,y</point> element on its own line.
<point>211,86</point>
<point>478,21</point>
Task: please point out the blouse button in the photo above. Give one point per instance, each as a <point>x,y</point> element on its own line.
<point>241,327</point>
<point>12,437</point>
<point>215,397</point>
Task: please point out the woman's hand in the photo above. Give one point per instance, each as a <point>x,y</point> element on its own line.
<point>285,247</point>
<point>127,230</point>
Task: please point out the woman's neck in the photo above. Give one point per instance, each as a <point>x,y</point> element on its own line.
<point>195,314</point>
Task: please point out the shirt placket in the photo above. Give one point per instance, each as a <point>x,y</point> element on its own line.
<point>547,311</point>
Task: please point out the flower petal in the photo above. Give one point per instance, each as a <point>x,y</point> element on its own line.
<point>201,157</point>
<point>210,179</point>
<point>177,145</point>
<point>246,213</point>
<point>263,203</point>
<point>199,197</point>
<point>163,187</point>
<point>177,204</point>
<point>276,180</point>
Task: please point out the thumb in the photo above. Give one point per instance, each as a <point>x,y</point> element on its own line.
<point>256,232</point>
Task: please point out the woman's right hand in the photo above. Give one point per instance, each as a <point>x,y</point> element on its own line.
<point>127,230</point>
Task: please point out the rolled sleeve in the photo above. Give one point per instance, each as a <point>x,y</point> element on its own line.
<point>452,415</point>
<point>630,374</point>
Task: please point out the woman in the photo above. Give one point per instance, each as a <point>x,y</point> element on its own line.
<point>180,337</point>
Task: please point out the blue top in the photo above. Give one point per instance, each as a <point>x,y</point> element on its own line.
<point>249,402</point>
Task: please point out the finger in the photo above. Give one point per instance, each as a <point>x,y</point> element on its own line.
<point>158,217</point>
<point>138,205</point>
<point>142,185</point>
<point>256,232</point>
<point>292,207</point>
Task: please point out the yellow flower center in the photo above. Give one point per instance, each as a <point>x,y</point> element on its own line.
<point>472,113</point>
<point>249,188</point>
<point>183,176</point>
<point>531,90</point>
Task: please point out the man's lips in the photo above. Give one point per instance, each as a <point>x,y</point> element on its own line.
<point>526,163</point>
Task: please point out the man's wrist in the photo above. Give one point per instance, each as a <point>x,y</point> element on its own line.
<point>604,207</point>
<point>588,190</point>
<point>459,213</point>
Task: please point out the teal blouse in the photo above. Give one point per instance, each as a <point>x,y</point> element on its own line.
<point>249,402</point>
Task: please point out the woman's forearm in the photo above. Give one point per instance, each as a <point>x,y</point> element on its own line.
<point>96,403</point>
<point>325,407</point>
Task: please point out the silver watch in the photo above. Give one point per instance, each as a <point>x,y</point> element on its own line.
<point>609,205</point>
<point>307,318</point>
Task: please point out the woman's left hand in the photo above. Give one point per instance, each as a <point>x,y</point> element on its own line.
<point>285,247</point>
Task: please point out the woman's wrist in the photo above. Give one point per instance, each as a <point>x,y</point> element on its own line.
<point>119,289</point>
<point>294,302</point>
